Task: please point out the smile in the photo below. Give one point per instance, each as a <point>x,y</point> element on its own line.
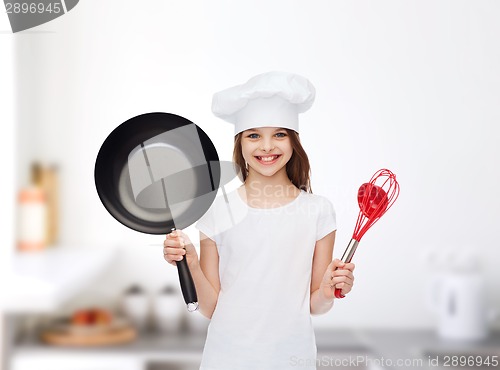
<point>268,159</point>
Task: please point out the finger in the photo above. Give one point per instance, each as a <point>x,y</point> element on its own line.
<point>342,279</point>
<point>172,243</point>
<point>342,273</point>
<point>345,290</point>
<point>339,286</point>
<point>174,251</point>
<point>185,238</point>
<point>349,266</point>
<point>180,236</point>
<point>338,264</point>
<point>177,233</point>
<point>344,285</point>
<point>173,257</point>
<point>187,244</point>
<point>169,260</point>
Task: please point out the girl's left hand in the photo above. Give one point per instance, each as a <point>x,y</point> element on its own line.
<point>337,275</point>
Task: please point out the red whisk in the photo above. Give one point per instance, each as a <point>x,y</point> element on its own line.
<point>374,200</point>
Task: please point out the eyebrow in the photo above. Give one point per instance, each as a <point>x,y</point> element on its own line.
<point>257,130</point>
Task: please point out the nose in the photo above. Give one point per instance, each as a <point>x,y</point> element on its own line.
<point>267,144</point>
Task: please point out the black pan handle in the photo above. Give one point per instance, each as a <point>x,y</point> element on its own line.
<point>187,284</point>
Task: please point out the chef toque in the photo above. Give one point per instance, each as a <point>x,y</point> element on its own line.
<point>272,99</point>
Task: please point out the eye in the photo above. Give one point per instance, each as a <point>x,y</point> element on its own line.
<point>253,136</point>
<point>281,134</point>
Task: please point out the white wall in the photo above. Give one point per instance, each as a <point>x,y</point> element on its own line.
<point>8,192</point>
<point>412,86</point>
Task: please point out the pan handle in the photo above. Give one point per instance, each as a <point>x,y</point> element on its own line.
<point>187,284</point>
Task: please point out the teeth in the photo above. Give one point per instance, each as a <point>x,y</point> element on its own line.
<point>268,159</point>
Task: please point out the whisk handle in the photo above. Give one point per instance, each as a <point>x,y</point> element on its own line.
<point>347,257</point>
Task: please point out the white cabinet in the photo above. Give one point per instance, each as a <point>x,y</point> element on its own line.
<point>53,359</point>
<point>39,283</point>
<point>75,361</point>
<point>151,351</point>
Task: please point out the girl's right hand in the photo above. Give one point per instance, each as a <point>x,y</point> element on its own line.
<point>176,246</point>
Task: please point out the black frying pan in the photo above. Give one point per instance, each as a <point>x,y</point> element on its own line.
<point>157,172</point>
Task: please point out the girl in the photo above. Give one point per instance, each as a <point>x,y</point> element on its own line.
<point>266,250</point>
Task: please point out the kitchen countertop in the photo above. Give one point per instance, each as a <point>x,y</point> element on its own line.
<point>420,349</point>
<point>394,349</point>
<point>50,277</point>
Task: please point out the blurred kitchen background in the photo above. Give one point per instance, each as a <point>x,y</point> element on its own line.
<point>412,86</point>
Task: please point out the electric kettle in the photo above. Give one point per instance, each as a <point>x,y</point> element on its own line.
<point>458,298</point>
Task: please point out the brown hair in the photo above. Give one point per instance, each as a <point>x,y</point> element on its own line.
<point>297,169</point>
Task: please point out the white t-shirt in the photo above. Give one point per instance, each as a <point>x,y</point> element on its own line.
<point>262,318</point>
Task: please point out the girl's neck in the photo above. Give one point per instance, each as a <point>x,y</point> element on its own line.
<point>280,178</point>
<point>270,187</point>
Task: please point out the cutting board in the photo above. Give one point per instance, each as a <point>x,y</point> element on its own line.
<point>112,335</point>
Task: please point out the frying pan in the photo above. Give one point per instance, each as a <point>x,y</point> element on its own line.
<point>157,172</point>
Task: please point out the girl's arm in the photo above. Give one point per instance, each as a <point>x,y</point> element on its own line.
<point>328,275</point>
<point>205,271</point>
<point>323,252</point>
<point>206,276</point>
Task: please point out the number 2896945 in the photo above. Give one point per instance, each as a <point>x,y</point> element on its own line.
<point>33,8</point>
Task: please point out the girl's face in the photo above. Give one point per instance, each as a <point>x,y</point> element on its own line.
<point>266,149</point>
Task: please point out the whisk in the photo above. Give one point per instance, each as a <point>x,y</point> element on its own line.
<point>374,201</point>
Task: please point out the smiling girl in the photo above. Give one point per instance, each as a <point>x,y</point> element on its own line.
<point>266,249</point>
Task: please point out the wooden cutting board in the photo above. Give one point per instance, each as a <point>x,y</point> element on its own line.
<point>113,336</point>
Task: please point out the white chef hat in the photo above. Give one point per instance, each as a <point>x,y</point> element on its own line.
<point>272,99</point>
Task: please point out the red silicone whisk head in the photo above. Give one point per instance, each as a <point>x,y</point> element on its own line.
<point>374,199</point>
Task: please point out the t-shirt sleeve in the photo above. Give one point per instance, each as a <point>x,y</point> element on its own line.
<point>206,224</point>
<point>326,219</point>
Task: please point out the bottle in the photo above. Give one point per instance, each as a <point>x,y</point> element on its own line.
<point>45,177</point>
<point>32,218</point>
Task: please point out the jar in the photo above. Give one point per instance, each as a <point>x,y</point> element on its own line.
<point>168,310</point>
<point>136,307</point>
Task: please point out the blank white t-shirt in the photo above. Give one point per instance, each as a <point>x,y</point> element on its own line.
<point>262,319</point>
